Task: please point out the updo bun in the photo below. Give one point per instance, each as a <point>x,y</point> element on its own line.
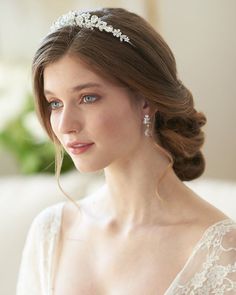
<point>181,135</point>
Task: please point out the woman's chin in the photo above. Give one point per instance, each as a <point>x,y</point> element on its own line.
<point>87,168</point>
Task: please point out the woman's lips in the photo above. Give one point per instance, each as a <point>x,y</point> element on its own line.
<point>78,148</point>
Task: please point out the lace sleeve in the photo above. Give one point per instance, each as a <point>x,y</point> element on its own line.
<point>222,275</point>
<point>212,269</point>
<point>34,273</point>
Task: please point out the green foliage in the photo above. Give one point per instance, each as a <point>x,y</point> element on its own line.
<point>33,155</point>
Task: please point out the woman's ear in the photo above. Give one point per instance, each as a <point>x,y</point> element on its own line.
<point>145,104</point>
<point>148,107</point>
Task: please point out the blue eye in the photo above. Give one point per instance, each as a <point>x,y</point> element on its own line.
<point>89,98</point>
<point>54,105</point>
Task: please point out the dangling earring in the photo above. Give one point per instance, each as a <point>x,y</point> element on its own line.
<point>147,122</point>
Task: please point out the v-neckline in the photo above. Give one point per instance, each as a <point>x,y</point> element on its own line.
<point>56,244</point>
<point>194,250</point>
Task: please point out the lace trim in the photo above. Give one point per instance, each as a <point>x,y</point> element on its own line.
<point>213,278</point>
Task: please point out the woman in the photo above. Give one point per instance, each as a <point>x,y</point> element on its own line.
<point>107,92</point>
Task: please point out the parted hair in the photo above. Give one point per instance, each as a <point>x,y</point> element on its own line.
<point>147,67</point>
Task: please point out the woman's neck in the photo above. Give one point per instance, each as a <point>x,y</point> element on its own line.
<point>129,196</point>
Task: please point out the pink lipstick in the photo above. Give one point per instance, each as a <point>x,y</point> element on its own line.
<point>78,147</point>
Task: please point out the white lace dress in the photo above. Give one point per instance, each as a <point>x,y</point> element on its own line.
<point>211,268</point>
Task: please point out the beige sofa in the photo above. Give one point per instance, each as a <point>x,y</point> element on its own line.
<point>22,198</point>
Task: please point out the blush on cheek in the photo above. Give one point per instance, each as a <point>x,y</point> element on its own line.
<point>109,124</point>
<point>117,128</point>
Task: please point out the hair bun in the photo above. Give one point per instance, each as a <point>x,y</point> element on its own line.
<point>182,137</point>
<point>189,168</point>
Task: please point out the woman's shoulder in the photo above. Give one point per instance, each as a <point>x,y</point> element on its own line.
<point>48,219</point>
<point>72,207</point>
<point>211,268</point>
<point>70,213</point>
<point>222,234</point>
<point>58,217</point>
<point>223,230</point>
<point>49,213</point>
<point>203,212</point>
<point>219,241</point>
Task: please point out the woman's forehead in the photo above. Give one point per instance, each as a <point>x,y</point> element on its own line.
<point>76,74</point>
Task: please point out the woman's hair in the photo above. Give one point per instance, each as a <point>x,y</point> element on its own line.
<point>147,67</point>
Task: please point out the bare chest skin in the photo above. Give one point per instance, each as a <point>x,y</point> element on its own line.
<point>145,262</point>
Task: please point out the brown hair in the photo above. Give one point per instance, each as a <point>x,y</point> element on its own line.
<point>147,67</point>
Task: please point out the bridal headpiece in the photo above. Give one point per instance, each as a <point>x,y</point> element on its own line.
<point>86,20</point>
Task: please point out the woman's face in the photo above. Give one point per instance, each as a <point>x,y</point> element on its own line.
<point>88,109</point>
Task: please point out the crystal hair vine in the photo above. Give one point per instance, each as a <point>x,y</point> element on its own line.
<point>86,20</point>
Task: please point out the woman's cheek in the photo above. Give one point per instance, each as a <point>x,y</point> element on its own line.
<point>108,124</point>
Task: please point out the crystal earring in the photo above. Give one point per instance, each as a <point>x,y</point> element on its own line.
<point>147,122</point>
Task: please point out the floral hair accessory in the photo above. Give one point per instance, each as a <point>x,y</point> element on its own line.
<point>86,20</point>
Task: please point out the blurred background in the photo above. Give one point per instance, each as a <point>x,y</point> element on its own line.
<point>202,37</point>
<point>200,33</point>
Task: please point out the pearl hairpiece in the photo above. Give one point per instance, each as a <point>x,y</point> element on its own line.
<point>86,20</point>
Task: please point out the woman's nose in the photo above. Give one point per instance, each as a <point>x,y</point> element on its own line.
<point>69,121</point>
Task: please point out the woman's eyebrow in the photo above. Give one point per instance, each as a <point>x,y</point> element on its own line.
<point>86,85</point>
<point>76,88</point>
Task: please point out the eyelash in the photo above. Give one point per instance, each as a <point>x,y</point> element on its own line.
<point>91,95</point>
<point>53,108</point>
<point>51,105</point>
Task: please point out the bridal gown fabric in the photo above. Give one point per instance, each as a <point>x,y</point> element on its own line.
<point>210,269</point>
